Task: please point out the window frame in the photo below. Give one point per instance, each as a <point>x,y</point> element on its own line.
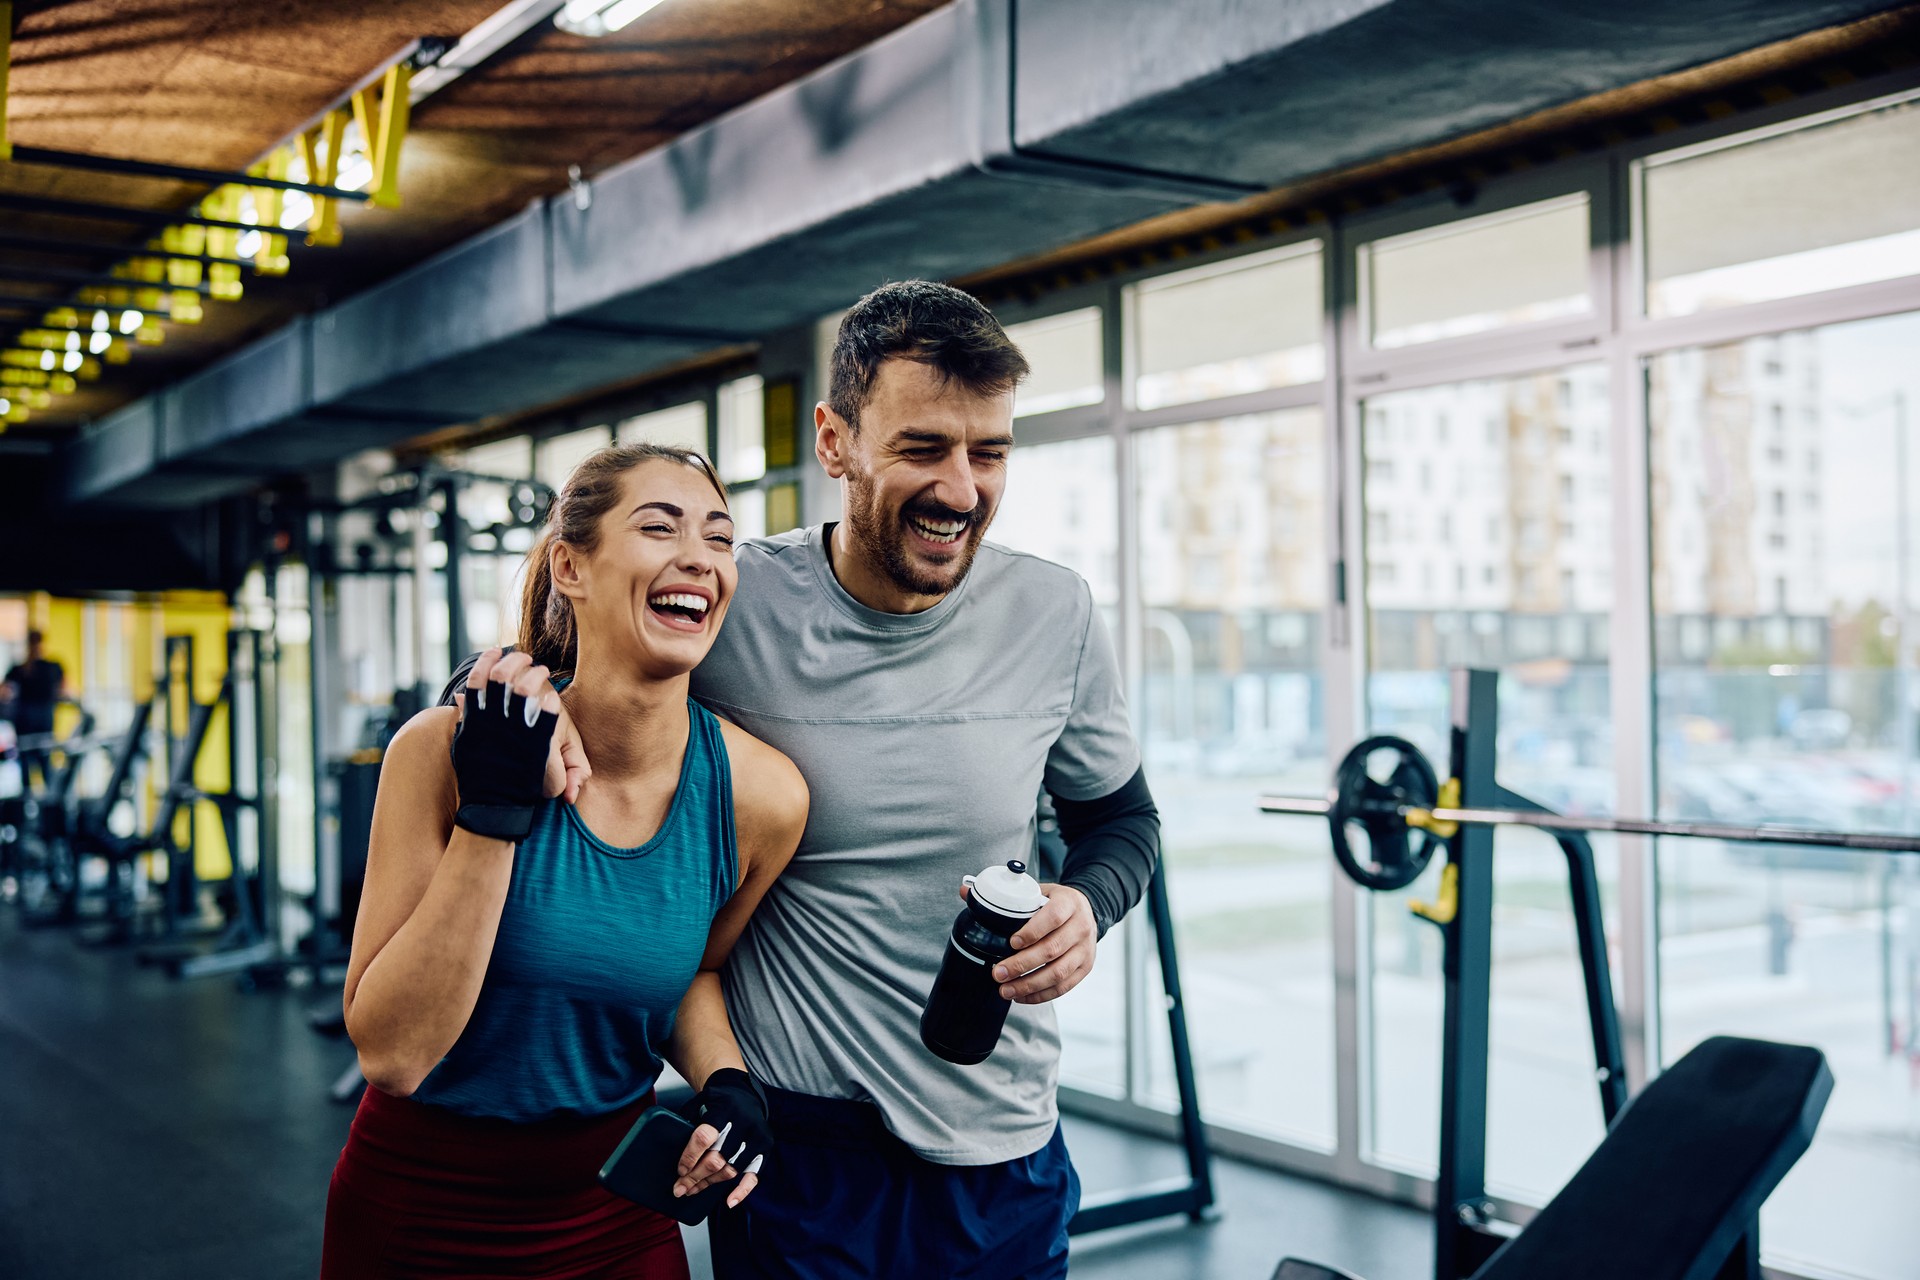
<point>1615,333</point>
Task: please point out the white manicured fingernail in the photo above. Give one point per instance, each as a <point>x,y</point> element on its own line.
<point>480,697</point>
<point>735,1157</point>
<point>755,1166</point>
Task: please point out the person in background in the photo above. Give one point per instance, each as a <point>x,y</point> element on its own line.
<point>28,697</point>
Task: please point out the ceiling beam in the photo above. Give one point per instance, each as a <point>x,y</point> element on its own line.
<point>103,248</point>
<point>121,213</point>
<point>92,279</point>
<point>179,173</point>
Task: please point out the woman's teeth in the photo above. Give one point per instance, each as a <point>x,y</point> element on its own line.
<point>939,530</point>
<point>683,602</point>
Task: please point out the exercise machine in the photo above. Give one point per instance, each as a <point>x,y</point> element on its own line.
<point>1674,1190</point>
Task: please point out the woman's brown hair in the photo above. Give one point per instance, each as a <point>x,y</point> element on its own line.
<point>547,630</point>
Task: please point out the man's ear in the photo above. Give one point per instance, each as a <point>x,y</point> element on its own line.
<point>832,438</point>
<point>565,566</point>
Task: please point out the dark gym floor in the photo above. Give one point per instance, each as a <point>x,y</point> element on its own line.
<point>153,1129</point>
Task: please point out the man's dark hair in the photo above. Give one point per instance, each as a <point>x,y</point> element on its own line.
<point>934,324</point>
<point>35,636</point>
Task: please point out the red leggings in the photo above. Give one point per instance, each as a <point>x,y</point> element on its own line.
<point>421,1191</point>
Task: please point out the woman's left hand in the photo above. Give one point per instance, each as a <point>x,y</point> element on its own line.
<point>731,1136</point>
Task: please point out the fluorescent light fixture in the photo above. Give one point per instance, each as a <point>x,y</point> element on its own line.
<point>47,360</point>
<point>297,208</point>
<point>73,361</point>
<point>73,340</point>
<point>248,244</point>
<point>101,320</point>
<point>130,321</point>
<point>100,341</point>
<point>599,17</point>
<point>356,171</point>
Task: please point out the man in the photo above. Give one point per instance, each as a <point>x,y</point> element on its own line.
<point>928,685</point>
<point>29,694</point>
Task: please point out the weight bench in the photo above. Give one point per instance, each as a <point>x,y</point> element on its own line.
<point>1673,1192</point>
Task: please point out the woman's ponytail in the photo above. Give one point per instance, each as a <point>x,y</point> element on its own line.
<point>546,617</point>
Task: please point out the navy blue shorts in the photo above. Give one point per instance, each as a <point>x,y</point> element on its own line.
<point>844,1198</point>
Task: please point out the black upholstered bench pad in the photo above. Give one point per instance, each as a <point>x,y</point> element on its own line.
<point>1683,1172</point>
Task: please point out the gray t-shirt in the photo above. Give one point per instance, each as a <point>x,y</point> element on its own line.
<point>925,739</point>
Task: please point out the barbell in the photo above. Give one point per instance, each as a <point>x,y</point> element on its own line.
<point>1409,814</point>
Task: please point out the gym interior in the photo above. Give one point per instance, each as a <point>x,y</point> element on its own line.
<point>1526,393</point>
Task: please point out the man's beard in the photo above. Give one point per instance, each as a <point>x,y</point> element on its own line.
<point>881,539</point>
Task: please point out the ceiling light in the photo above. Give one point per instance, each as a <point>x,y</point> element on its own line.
<point>131,321</point>
<point>72,361</point>
<point>101,320</point>
<point>46,359</point>
<point>356,171</point>
<point>599,17</point>
<point>100,341</point>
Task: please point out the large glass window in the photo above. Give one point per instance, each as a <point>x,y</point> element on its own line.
<point>1817,206</point>
<point>684,426</point>
<point>1786,579</point>
<point>1062,503</point>
<point>555,457</point>
<point>1519,266</point>
<point>1065,355</point>
<point>1508,569</point>
<point>495,553</point>
<point>1231,540</point>
<point>1235,327</point>
<point>743,432</point>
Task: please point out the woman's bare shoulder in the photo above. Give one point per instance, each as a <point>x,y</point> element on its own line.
<point>421,751</point>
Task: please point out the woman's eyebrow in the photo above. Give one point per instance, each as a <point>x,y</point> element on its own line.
<point>667,507</point>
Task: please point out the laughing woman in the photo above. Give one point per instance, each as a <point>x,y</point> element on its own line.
<point>521,966</point>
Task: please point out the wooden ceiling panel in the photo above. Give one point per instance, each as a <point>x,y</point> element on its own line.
<point>217,83</point>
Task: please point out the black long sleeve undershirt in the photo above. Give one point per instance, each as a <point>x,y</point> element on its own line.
<point>1113,845</point>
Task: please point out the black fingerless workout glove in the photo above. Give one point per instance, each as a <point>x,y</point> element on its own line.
<point>734,1103</point>
<point>500,761</point>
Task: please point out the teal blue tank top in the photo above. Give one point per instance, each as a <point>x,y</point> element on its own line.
<point>596,947</point>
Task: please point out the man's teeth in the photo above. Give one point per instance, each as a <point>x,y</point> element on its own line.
<point>681,600</point>
<point>939,530</point>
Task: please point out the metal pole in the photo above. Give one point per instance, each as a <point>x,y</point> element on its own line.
<point>417,608</point>
<point>453,533</point>
<point>1903,719</point>
<point>1193,1194</point>
<point>1460,1205</point>
<point>1476,816</point>
<point>177,173</point>
<point>266,783</point>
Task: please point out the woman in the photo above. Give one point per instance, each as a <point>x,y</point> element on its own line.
<point>521,966</point>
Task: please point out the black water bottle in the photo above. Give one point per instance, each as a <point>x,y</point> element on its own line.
<point>965,1013</point>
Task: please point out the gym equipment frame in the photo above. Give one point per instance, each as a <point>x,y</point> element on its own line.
<point>1410,816</point>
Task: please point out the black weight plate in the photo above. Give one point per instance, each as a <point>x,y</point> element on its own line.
<point>1396,853</point>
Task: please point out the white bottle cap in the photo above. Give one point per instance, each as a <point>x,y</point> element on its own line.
<point>1007,889</point>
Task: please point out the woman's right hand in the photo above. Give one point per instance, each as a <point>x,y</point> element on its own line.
<point>507,725</point>
<point>567,766</point>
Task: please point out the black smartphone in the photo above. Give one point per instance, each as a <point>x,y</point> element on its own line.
<point>646,1164</point>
